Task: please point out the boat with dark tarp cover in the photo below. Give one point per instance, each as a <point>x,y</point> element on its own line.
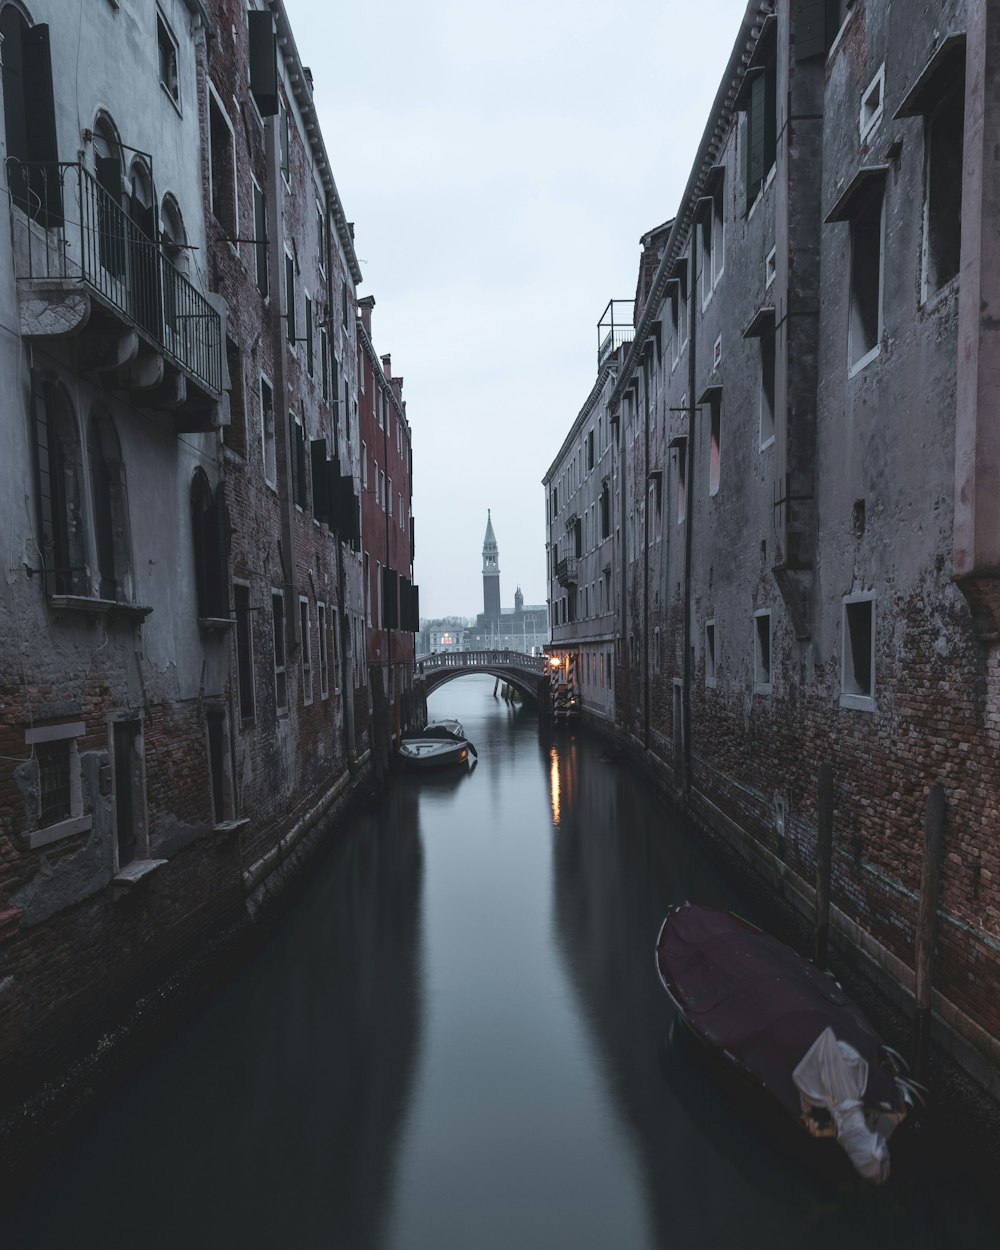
<point>788,1028</point>
<point>436,746</point>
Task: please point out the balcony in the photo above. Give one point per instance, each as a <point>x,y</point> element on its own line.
<point>566,571</point>
<point>86,269</point>
<point>615,328</point>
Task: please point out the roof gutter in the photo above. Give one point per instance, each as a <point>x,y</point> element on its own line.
<point>303,98</point>
<point>711,144</point>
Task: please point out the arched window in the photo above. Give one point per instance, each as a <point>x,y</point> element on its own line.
<point>143,251</point>
<point>29,118</point>
<point>58,471</point>
<point>210,529</point>
<point>110,500</point>
<point>110,215</point>
<point>172,240</point>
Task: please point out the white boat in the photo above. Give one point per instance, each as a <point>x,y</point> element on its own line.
<point>436,746</point>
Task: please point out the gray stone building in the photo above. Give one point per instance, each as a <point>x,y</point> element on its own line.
<point>181,634</point>
<point>802,429</point>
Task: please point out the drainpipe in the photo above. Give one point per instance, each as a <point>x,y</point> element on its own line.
<point>283,450</point>
<point>689,518</point>
<point>645,557</point>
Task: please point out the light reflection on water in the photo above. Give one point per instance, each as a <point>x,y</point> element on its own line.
<point>457,1040</point>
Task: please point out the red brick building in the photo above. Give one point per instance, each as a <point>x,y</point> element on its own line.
<point>391,599</point>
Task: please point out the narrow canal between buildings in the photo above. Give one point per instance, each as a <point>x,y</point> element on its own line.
<point>457,1041</point>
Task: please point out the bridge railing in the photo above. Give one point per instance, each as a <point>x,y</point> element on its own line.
<point>485,659</point>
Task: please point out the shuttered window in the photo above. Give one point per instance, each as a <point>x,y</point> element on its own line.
<point>263,62</point>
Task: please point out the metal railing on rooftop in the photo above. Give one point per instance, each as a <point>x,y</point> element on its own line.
<point>615,328</point>
<point>78,232</point>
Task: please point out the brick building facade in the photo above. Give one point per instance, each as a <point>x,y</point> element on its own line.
<point>391,600</point>
<point>804,556</point>
<point>183,684</point>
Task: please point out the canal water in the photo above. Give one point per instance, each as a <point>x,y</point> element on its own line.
<point>457,1041</point>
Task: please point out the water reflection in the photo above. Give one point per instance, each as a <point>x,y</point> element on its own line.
<point>274,1119</point>
<point>714,1169</point>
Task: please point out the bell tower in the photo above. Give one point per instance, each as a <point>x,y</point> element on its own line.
<point>491,578</point>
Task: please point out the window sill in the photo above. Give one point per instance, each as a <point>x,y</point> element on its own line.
<point>227,828</point>
<point>762,687</point>
<point>858,702</point>
<point>99,607</point>
<point>170,96</point>
<point>866,359</point>
<point>767,443</point>
<point>57,832</point>
<point>132,875</point>
<point>215,624</point>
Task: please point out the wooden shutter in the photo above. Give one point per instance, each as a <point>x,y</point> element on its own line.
<point>260,236</point>
<point>293,457</point>
<point>317,454</point>
<point>810,29</point>
<point>390,598</point>
<point>290,297</point>
<point>263,62</point>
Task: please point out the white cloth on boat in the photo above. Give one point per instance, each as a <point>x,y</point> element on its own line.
<point>832,1074</point>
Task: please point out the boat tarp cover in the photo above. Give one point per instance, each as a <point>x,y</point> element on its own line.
<point>754,998</point>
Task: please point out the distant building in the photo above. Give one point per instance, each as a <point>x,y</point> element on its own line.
<point>523,628</point>
<point>446,633</point>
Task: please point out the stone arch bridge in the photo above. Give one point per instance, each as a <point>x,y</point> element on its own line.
<point>525,673</point>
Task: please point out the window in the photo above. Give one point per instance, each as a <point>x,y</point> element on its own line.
<point>364,466</point>
<point>760,148</point>
<point>58,790</point>
<point>111,512</point>
<point>260,238</point>
<point>590,451</point>
<point>335,649</point>
<point>857,660</point>
<point>378,594</point>
<point>605,511</point>
<point>368,590</point>
<point>944,135</point>
<point>278,633</point>
<point>710,653</point>
<point>167,49</point>
<point>323,643</point>
<point>305,631</point>
<point>578,538</point>
<point>290,298</point>
<point>210,533</point>
<point>715,443</point>
<point>681,462</point>
<point>321,236</point>
<point>267,432</point>
<point>871,105</point>
<point>59,473</point>
<point>263,62</point>
<point>297,455</point>
<point>767,363</point>
<point>762,652</point>
<point>324,352</point>
<point>222,162</point>
<point>388,496</point>
<point>244,649</point>
<point>29,118</point>
<point>343,300</point>
<point>865,329</point>
<point>234,435</point>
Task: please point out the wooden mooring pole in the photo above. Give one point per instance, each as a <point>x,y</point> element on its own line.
<point>930,885</point>
<point>824,860</point>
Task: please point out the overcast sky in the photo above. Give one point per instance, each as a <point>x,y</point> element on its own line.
<point>500,164</point>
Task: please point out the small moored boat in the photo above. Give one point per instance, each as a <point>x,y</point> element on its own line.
<point>436,746</point>
<point>787,1028</point>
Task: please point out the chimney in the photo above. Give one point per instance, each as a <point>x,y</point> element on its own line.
<point>387,366</point>
<point>365,306</point>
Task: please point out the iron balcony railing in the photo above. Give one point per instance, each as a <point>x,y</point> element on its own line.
<point>79,232</point>
<point>614,328</point>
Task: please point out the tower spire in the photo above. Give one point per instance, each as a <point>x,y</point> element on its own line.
<point>491,576</point>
